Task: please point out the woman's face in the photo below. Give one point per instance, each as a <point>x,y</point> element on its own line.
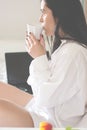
<point>47,20</point>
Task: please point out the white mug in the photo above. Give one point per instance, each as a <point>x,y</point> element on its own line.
<point>36,30</point>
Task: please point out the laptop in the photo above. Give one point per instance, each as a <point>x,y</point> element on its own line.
<point>17,67</point>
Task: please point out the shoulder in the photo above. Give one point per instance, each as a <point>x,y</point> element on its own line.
<point>70,50</point>
<point>71,47</point>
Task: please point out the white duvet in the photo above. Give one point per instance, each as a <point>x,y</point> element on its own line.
<point>3,75</point>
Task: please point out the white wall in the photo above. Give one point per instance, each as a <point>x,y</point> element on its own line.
<point>14,15</point>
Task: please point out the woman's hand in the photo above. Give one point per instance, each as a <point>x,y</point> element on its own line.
<point>35,47</point>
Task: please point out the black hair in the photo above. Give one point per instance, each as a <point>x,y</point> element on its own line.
<point>70,17</point>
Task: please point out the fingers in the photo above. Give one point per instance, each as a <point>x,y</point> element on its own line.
<point>33,38</point>
<point>29,41</point>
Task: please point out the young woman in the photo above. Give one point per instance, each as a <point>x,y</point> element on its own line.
<point>59,80</point>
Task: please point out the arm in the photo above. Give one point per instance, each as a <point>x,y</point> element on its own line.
<point>53,82</point>
<point>14,94</point>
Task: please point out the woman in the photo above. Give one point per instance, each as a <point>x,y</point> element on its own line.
<point>58,81</point>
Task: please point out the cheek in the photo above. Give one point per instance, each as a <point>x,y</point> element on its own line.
<point>45,21</point>
<point>48,24</point>
<point>52,21</point>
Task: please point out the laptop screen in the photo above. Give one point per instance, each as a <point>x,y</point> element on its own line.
<point>17,66</point>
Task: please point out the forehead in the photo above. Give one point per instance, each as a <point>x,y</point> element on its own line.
<point>43,4</point>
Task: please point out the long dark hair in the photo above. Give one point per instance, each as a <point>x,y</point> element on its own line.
<point>71,18</point>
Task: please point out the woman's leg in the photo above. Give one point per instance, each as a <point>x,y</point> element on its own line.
<point>14,94</point>
<point>12,115</point>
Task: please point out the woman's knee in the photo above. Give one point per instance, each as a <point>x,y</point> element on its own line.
<point>4,108</point>
<point>12,115</point>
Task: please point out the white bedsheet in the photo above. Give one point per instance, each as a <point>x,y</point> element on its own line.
<point>3,73</point>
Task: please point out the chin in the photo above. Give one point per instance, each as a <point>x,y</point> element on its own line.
<point>45,31</point>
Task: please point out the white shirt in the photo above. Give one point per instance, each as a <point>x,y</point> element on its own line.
<point>60,86</point>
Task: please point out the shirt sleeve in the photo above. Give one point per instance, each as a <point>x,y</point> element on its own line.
<point>58,83</point>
